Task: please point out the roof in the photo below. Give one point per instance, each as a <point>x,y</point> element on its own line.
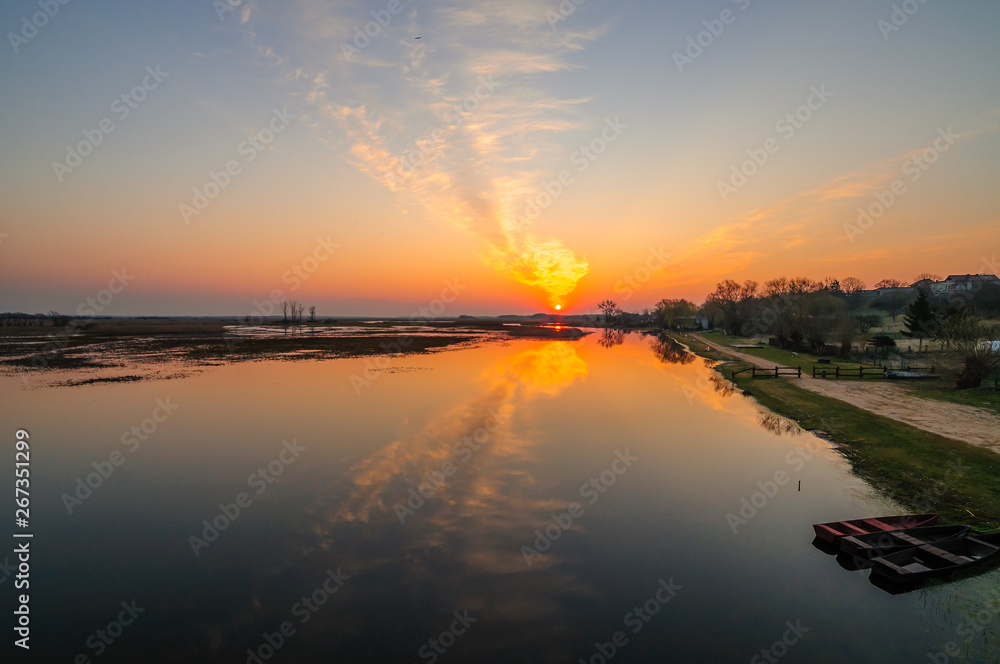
<point>972,277</point>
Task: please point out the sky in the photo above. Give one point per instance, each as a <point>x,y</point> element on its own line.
<point>497,157</point>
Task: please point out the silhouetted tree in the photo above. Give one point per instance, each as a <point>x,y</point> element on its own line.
<point>610,310</point>
<point>920,321</point>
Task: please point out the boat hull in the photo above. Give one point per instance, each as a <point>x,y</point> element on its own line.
<point>885,542</point>
<point>828,532</point>
<point>931,560</point>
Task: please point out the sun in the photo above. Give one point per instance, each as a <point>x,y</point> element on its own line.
<point>558,307</point>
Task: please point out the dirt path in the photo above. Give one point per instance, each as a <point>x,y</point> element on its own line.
<point>952,420</point>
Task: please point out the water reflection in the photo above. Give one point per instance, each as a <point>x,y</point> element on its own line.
<point>777,424</point>
<point>473,441</point>
<point>611,337</point>
<point>669,351</point>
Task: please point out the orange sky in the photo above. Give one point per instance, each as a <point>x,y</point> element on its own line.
<point>531,163</point>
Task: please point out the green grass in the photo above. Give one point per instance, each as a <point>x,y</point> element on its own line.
<point>922,471</point>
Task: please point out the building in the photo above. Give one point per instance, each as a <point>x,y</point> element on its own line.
<point>958,283</point>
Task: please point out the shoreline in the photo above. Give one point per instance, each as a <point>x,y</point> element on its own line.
<point>921,470</point>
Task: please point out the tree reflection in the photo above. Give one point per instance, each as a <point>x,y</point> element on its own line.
<point>612,337</point>
<point>671,352</point>
<point>721,385</point>
<point>778,425</point>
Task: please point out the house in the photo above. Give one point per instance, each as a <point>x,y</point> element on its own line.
<point>957,283</point>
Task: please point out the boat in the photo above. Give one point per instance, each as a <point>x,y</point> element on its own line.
<point>828,532</point>
<point>883,543</point>
<point>910,375</point>
<point>929,560</point>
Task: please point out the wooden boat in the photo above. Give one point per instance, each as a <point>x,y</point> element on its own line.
<point>828,532</point>
<point>927,560</point>
<point>883,543</point>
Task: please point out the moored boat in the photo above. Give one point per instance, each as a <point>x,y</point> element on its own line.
<point>928,560</point>
<point>828,532</point>
<point>883,543</point>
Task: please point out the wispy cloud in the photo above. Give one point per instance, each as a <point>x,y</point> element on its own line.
<point>459,122</point>
<point>813,218</point>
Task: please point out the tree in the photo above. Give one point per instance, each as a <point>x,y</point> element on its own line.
<point>928,276</point>
<point>976,344</point>
<point>610,310</point>
<point>867,322</point>
<point>284,311</point>
<point>776,287</point>
<point>920,320</point>
<point>852,285</point>
<point>737,303</point>
<point>883,343</point>
<point>670,313</point>
<point>890,283</point>
<point>312,314</point>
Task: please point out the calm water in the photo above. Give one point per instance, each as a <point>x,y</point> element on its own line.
<point>654,457</point>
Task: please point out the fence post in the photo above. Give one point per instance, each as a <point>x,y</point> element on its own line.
<point>838,371</point>
<point>800,372</point>
<point>775,371</point>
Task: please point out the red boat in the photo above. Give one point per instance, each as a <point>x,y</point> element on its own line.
<point>828,532</point>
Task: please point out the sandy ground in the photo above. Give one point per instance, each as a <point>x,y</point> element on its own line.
<point>952,420</point>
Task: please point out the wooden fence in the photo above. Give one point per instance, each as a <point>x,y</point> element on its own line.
<point>836,371</point>
<point>758,372</point>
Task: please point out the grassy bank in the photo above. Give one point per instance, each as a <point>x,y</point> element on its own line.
<point>942,389</point>
<point>922,471</point>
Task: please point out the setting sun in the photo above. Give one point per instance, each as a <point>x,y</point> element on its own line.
<point>558,307</point>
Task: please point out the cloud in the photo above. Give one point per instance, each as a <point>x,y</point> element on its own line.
<point>459,122</point>
<point>813,218</point>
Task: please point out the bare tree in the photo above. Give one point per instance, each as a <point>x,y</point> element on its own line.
<point>975,343</point>
<point>737,303</point>
<point>312,314</point>
<point>852,285</point>
<point>928,276</point>
<point>284,310</point>
<point>890,283</point>
<point>610,310</point>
